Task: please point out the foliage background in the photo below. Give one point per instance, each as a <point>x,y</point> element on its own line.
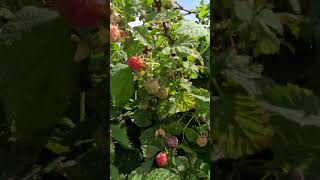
<point>43,132</point>
<point>266,107</point>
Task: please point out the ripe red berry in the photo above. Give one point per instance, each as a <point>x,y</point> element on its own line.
<point>172,142</point>
<point>161,159</point>
<point>82,13</point>
<point>115,34</point>
<point>135,62</point>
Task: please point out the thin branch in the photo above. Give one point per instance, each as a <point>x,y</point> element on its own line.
<point>183,9</point>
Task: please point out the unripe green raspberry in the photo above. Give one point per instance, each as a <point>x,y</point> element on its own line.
<point>162,93</point>
<point>151,86</point>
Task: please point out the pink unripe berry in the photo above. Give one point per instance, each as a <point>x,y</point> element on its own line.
<point>172,142</point>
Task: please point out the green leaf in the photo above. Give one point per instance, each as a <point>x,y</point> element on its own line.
<point>203,10</point>
<point>297,116</point>
<point>182,163</point>
<point>57,147</point>
<point>295,5</point>
<point>25,19</point>
<point>142,34</point>
<point>6,13</point>
<point>132,47</point>
<point>166,108</point>
<point>121,83</point>
<point>293,96</point>
<point>267,46</point>
<point>142,118</point>
<point>191,135</point>
<point>269,18</point>
<point>192,29</point>
<point>114,174</point>
<point>185,101</point>
<point>67,122</point>
<point>184,47</point>
<point>134,175</point>
<point>120,136</point>
<point>243,11</point>
<point>53,164</point>
<point>112,152</point>
<point>163,16</point>
<point>149,150</point>
<point>174,128</point>
<point>141,172</point>
<point>187,149</point>
<point>202,98</point>
<point>148,137</point>
<point>184,51</point>
<point>241,126</point>
<point>294,103</point>
<point>244,73</point>
<point>161,173</point>
<point>296,146</point>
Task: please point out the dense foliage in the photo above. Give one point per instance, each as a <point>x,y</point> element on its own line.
<point>159,88</point>
<point>51,123</point>
<point>265,103</point>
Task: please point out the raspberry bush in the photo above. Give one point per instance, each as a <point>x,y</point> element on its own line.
<point>159,89</point>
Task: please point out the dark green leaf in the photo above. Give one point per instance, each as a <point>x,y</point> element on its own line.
<point>191,135</point>
<point>121,83</point>
<point>120,136</point>
<point>243,10</point>
<point>241,126</point>
<point>161,173</point>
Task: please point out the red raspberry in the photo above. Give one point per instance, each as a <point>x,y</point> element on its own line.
<point>172,142</point>
<point>115,34</point>
<point>161,159</point>
<point>82,13</point>
<point>135,62</point>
